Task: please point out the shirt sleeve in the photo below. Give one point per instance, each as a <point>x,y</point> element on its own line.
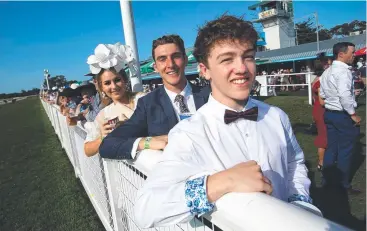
<point>175,190</point>
<point>344,81</point>
<point>134,149</point>
<point>92,130</point>
<point>298,181</point>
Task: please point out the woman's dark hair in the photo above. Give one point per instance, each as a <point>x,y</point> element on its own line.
<point>319,68</point>
<point>226,27</point>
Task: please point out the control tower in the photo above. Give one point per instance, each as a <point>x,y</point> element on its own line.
<point>276,18</point>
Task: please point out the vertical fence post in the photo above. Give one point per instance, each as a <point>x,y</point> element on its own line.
<point>308,75</point>
<point>74,152</point>
<point>111,180</point>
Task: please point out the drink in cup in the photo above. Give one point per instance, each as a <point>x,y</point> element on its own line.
<point>113,121</point>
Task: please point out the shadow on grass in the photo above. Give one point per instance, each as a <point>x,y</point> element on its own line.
<point>358,157</point>
<point>309,129</point>
<point>334,201</point>
<point>262,98</point>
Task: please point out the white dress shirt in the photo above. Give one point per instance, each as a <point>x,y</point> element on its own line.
<point>337,88</point>
<point>189,101</point>
<point>203,145</point>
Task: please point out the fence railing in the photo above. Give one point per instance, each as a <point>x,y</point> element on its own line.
<point>269,83</point>
<point>112,186</point>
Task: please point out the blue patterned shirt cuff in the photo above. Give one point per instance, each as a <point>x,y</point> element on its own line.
<point>298,197</point>
<point>196,198</point>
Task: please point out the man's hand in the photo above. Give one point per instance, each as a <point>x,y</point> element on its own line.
<point>71,121</point>
<point>156,143</point>
<point>243,177</point>
<point>247,177</point>
<point>356,119</point>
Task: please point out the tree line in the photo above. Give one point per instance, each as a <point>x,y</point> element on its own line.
<point>306,30</point>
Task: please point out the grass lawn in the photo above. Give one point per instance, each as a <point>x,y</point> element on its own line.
<point>38,188</point>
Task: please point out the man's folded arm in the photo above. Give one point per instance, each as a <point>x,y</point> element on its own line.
<point>119,143</point>
<point>175,190</point>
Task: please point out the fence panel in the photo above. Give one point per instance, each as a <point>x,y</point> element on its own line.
<point>93,179</point>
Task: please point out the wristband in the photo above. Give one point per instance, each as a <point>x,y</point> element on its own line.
<point>354,114</point>
<point>147,142</point>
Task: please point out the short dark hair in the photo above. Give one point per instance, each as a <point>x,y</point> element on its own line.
<point>226,27</point>
<point>319,68</point>
<point>166,39</point>
<point>341,47</point>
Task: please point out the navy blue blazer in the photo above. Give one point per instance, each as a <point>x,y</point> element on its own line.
<point>154,116</point>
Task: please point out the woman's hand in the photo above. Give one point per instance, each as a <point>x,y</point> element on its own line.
<point>106,128</point>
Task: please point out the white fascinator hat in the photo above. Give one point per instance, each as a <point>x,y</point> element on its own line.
<point>115,56</point>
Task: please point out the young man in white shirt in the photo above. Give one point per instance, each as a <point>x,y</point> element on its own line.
<point>232,144</point>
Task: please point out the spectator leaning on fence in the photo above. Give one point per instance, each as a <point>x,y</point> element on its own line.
<point>113,83</point>
<point>232,144</point>
<point>158,112</point>
<point>341,120</point>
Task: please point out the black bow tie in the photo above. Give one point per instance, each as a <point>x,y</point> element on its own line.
<point>250,114</point>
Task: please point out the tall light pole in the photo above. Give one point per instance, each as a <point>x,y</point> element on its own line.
<point>45,73</point>
<point>317,31</point>
<point>130,40</point>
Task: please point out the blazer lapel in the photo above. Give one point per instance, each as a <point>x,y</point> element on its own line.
<point>199,98</point>
<point>168,108</point>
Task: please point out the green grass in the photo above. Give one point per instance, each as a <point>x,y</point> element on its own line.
<point>39,191</point>
<point>38,188</point>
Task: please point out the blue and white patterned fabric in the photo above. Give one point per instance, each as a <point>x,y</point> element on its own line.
<point>298,197</point>
<point>196,198</point>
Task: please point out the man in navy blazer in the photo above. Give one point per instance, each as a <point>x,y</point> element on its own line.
<point>159,111</point>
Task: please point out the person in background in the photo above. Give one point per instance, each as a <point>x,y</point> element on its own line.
<point>114,83</point>
<point>360,63</point>
<point>62,102</point>
<point>341,120</point>
<point>87,91</point>
<point>318,111</point>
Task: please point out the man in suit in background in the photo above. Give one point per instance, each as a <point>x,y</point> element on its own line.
<point>158,112</point>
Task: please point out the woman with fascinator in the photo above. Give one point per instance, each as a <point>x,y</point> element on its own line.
<point>107,64</point>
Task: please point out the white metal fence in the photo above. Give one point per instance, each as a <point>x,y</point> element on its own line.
<point>269,83</point>
<point>112,186</point>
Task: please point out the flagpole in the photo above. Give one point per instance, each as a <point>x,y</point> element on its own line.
<point>130,40</point>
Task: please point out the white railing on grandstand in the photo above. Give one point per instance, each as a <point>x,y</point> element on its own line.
<point>268,86</point>
<point>112,186</point>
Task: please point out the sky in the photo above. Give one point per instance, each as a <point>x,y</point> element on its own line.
<point>59,36</point>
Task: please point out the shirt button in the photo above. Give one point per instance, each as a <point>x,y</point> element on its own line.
<point>246,135</point>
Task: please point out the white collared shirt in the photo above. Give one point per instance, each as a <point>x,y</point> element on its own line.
<point>336,88</point>
<point>188,99</point>
<point>203,145</point>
